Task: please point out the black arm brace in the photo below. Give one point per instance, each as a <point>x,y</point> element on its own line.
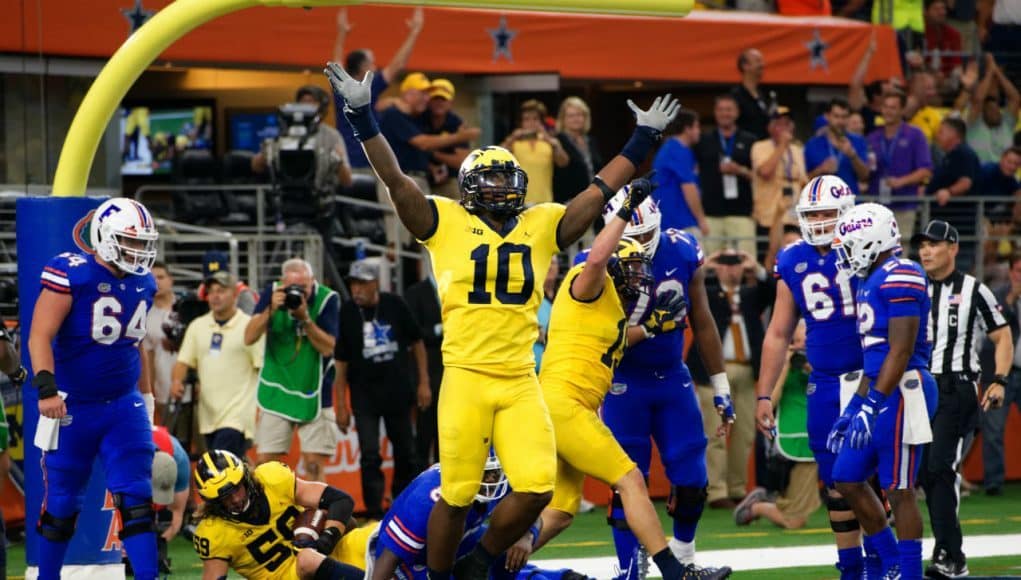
<point>338,505</point>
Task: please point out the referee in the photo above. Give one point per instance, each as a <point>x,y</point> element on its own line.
<point>962,309</point>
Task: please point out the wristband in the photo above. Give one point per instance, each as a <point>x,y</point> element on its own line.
<point>534,530</point>
<point>363,122</point>
<point>641,143</point>
<point>764,398</point>
<point>999,380</point>
<point>625,212</point>
<point>607,191</point>
<point>876,398</point>
<point>721,386</point>
<point>46,383</point>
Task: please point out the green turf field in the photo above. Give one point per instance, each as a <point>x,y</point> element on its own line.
<point>589,537</point>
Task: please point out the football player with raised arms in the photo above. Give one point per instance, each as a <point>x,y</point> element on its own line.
<point>653,396</point>
<point>587,336</point>
<point>809,286</point>
<point>246,520</point>
<point>887,423</point>
<point>94,396</point>
<point>486,253</point>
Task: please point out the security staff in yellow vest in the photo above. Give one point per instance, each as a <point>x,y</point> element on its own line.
<point>299,317</point>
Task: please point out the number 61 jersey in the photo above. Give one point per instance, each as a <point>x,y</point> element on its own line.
<point>96,348</point>
<point>826,302</point>
<point>490,284</point>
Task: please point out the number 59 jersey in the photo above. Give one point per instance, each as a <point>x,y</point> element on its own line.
<point>96,348</point>
<point>490,284</point>
<point>826,302</point>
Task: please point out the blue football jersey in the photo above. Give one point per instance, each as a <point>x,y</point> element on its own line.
<point>96,348</point>
<point>677,258</point>
<point>403,530</point>
<point>826,302</point>
<point>895,289</point>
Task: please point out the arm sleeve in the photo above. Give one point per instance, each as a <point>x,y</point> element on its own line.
<point>189,350</point>
<point>686,167</point>
<point>433,237</point>
<point>183,466</point>
<point>329,316</point>
<point>56,275</point>
<point>904,292</point>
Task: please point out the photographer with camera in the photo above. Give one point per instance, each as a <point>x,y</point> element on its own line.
<point>227,365</point>
<point>739,292</point>
<point>299,317</point>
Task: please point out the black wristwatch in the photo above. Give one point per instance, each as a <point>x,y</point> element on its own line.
<point>999,380</point>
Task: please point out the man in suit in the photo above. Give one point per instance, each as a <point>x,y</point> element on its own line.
<point>424,303</point>
<point>739,292</point>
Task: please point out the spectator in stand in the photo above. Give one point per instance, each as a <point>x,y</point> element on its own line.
<point>360,61</point>
<point>954,176</point>
<point>866,100</point>
<point>779,172</point>
<point>399,123</point>
<point>677,193</point>
<point>574,121</point>
<point>907,19</point>
<point>377,332</point>
<point>725,176</point>
<point>991,127</point>
<point>162,353</point>
<point>999,31</point>
<point>755,106</point>
<point>439,119</point>
<point>228,368</point>
<point>961,14</point>
<point>837,151</point>
<point>1000,178</point>
<point>424,303</point>
<point>924,107</point>
<point>940,39</point>
<point>537,152</point>
<point>903,163</point>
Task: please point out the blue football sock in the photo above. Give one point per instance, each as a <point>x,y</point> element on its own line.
<point>885,544</point>
<point>51,558</point>
<point>910,559</point>
<point>686,521</point>
<point>627,551</point>
<point>873,564</point>
<point>850,563</point>
<point>144,556</point>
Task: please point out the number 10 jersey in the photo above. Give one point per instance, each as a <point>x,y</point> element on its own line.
<point>490,284</point>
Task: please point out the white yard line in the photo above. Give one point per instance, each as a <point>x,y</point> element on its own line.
<point>788,557</point>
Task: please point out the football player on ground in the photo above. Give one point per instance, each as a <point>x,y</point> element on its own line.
<point>398,549</point>
<point>486,251</point>
<point>887,422</point>
<point>85,344</point>
<point>587,337</point>
<point>652,392</point>
<point>809,287</point>
<point>247,518</point>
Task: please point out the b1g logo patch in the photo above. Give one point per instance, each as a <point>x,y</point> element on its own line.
<point>618,388</point>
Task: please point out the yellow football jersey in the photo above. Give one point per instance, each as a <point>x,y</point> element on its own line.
<point>258,551</point>
<point>490,285</point>
<point>585,340</point>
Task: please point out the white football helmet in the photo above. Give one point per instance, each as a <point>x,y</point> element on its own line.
<point>644,224</point>
<point>494,481</point>
<point>823,193</point>
<point>123,233</point>
<point>864,232</point>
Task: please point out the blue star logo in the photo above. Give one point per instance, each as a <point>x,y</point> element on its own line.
<point>381,331</point>
<point>137,15</point>
<point>816,52</point>
<point>502,37</point>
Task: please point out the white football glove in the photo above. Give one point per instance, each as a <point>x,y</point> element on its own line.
<point>355,94</point>
<point>663,110</point>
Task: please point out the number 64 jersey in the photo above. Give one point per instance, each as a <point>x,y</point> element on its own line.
<point>826,302</point>
<point>490,284</point>
<point>101,333</point>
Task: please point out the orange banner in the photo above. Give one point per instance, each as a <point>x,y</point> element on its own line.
<point>702,47</point>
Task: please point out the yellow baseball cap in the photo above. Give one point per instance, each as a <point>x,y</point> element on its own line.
<point>443,89</point>
<point>415,81</point>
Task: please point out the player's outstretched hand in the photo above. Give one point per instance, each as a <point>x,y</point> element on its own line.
<point>663,110</point>
<point>725,408</point>
<point>670,308</point>
<point>355,93</point>
<point>634,194</point>
<point>518,554</point>
<point>859,434</point>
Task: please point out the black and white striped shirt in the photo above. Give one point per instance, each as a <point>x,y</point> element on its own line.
<point>963,310</point>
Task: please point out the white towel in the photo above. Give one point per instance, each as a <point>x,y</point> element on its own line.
<point>849,383</point>
<point>917,429</point>
<point>47,431</point>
